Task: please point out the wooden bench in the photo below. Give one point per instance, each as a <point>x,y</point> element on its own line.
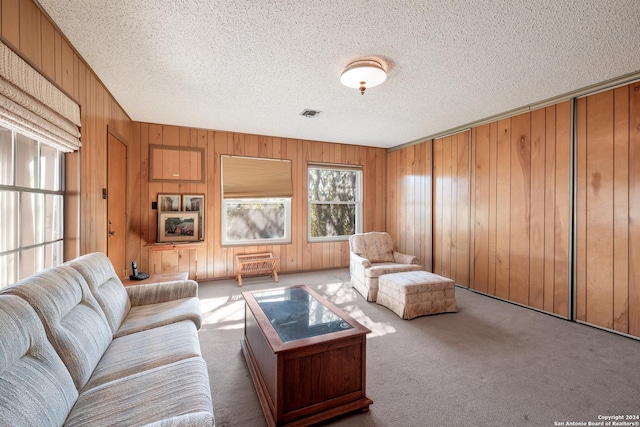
<point>257,264</point>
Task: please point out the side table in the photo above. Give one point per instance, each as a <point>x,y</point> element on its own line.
<point>154,248</point>
<point>158,278</point>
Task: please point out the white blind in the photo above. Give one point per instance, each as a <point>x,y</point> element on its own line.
<point>32,105</point>
<point>246,177</point>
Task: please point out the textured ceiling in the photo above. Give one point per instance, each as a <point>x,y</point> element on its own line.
<point>253,65</point>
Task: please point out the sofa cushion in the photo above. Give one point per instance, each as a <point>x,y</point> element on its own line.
<point>73,321</point>
<point>105,285</point>
<point>174,394</point>
<point>149,316</point>
<point>146,350</point>
<point>154,293</point>
<point>375,246</point>
<point>37,389</point>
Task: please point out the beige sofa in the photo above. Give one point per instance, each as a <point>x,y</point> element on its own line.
<point>80,349</point>
<point>371,256</point>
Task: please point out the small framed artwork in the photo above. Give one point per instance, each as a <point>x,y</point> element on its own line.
<point>169,202</point>
<point>195,203</point>
<point>178,227</point>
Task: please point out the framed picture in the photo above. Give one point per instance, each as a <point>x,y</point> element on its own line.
<point>195,203</point>
<point>169,202</point>
<point>178,227</point>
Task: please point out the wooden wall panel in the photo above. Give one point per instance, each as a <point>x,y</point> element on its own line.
<point>634,210</point>
<point>520,214</point>
<point>503,210</point>
<point>621,181</point>
<point>481,202</point>
<point>11,22</point>
<point>30,27</point>
<point>451,201</point>
<point>563,221</point>
<point>537,209</point>
<point>37,40</point>
<point>409,201</point>
<point>608,191</point>
<point>521,208</point>
<point>215,261</point>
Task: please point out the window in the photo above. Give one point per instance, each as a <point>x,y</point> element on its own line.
<point>335,202</point>
<point>256,204</point>
<point>31,206</point>
<point>257,221</point>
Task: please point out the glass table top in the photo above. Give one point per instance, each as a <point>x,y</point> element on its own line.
<point>295,314</point>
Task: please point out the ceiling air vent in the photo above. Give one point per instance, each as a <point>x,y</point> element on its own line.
<point>310,114</point>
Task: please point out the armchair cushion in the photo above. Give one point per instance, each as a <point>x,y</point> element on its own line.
<point>375,246</point>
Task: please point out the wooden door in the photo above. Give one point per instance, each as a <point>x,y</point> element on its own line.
<point>608,202</point>
<point>117,203</point>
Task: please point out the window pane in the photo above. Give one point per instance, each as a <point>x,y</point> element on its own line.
<point>31,218</point>
<point>53,254</point>
<point>332,220</point>
<point>49,168</point>
<point>335,211</point>
<point>8,268</point>
<point>53,219</point>
<point>31,261</point>
<point>250,221</point>
<point>256,221</point>
<point>6,158</point>
<point>26,162</point>
<point>9,220</point>
<point>332,185</point>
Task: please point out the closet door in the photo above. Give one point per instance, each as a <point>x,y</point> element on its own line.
<point>520,208</point>
<point>608,209</point>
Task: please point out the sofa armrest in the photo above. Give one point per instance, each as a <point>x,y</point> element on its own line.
<point>154,293</point>
<point>401,258</point>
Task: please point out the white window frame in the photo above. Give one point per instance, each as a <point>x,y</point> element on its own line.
<point>12,262</point>
<point>357,202</point>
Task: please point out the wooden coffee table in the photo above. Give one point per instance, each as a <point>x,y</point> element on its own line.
<point>307,358</point>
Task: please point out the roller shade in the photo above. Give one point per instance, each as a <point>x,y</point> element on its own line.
<point>246,177</point>
<point>35,107</point>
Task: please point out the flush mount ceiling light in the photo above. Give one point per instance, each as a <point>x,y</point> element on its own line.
<point>363,74</point>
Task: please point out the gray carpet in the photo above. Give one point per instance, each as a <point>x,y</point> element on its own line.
<point>490,364</point>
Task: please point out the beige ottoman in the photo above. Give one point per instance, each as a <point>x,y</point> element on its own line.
<point>416,293</point>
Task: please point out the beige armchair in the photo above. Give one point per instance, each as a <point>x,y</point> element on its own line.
<point>371,256</point>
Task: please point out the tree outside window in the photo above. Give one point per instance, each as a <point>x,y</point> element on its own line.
<point>334,202</point>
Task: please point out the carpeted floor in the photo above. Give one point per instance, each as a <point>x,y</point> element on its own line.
<point>491,364</point>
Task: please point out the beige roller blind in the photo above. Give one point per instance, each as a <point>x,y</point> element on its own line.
<point>32,105</point>
<point>244,177</point>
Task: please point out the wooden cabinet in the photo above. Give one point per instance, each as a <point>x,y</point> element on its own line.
<point>304,381</point>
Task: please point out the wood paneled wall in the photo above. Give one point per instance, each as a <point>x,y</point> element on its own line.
<point>215,261</point>
<point>521,208</point>
<point>520,191</point>
<point>608,209</point>
<point>35,38</point>
<point>409,201</point>
<point>511,209</point>
<point>451,207</point>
